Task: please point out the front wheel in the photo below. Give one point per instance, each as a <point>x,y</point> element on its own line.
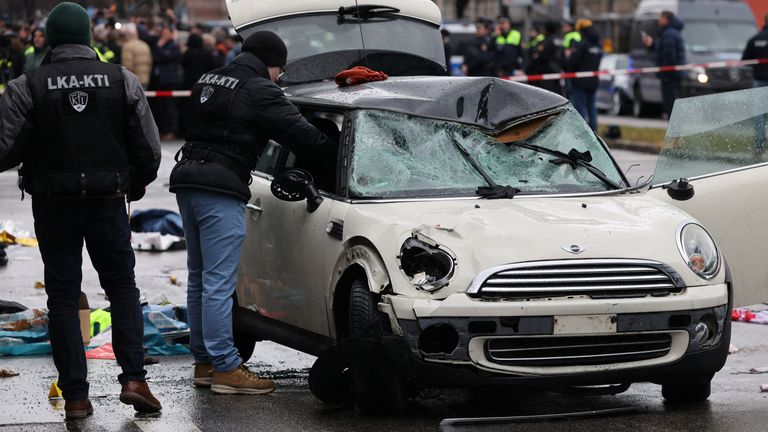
<point>377,387</point>
<point>687,390</point>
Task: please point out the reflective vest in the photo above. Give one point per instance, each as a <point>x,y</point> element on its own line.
<point>100,321</point>
<point>29,51</point>
<point>570,37</point>
<point>535,41</point>
<point>6,73</point>
<point>105,54</point>
<point>513,38</point>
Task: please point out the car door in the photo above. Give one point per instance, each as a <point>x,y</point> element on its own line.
<point>714,141</point>
<point>288,256</point>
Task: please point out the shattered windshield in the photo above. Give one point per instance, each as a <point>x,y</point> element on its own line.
<point>401,156</point>
<point>715,133</point>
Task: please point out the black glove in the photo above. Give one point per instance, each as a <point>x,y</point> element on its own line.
<point>135,194</point>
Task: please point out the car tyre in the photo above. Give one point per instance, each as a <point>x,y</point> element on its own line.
<point>687,391</point>
<point>245,344</point>
<point>243,341</point>
<point>378,389</point>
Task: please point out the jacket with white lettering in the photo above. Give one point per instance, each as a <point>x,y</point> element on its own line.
<point>81,128</point>
<point>757,48</point>
<point>234,111</point>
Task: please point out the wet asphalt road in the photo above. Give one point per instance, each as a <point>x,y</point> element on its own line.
<point>736,403</point>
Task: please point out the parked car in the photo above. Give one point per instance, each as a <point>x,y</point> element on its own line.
<point>715,30</point>
<point>613,92</point>
<point>475,232</point>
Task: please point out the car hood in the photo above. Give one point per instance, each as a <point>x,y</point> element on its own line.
<point>483,234</point>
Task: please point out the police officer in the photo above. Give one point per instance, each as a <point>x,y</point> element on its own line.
<point>570,34</point>
<point>34,55</point>
<point>509,52</point>
<point>87,140</point>
<point>756,49</point>
<point>234,111</point>
<point>585,55</point>
<point>480,59</point>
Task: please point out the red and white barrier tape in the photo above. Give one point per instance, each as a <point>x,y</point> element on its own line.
<point>564,75</point>
<point>168,93</point>
<point>635,71</point>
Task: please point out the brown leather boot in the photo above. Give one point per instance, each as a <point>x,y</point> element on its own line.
<point>76,410</point>
<point>137,393</point>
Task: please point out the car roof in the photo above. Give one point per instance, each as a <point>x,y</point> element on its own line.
<point>489,103</point>
<point>246,13</point>
<point>721,10</point>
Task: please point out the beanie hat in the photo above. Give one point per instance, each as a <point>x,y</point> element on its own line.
<point>583,23</point>
<point>68,23</point>
<point>268,47</point>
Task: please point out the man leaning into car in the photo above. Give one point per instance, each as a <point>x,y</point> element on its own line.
<point>235,111</point>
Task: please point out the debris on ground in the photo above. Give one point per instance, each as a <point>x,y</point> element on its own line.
<point>733,349</point>
<point>753,371</point>
<point>7,373</point>
<point>746,315</point>
<point>156,242</point>
<point>39,285</point>
<point>164,222</point>
<point>10,234</point>
<point>9,307</point>
<point>104,352</point>
<point>764,388</point>
<point>55,391</point>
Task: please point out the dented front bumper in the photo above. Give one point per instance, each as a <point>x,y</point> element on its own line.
<point>471,342</point>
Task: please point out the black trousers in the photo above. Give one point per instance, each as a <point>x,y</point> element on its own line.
<point>61,227</point>
<point>669,93</point>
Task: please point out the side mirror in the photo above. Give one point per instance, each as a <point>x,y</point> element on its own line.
<point>296,184</point>
<point>680,190</point>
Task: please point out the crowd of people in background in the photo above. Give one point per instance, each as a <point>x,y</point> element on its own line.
<point>152,47</point>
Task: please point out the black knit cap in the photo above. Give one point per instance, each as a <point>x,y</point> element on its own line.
<point>268,47</point>
<point>68,23</point>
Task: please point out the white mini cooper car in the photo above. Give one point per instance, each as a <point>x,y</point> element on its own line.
<point>474,232</point>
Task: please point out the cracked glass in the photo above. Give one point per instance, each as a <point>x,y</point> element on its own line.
<point>401,156</point>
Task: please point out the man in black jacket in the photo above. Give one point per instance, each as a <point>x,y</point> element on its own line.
<point>757,48</point>
<point>670,51</point>
<point>545,58</point>
<point>481,55</point>
<point>85,135</point>
<point>235,111</point>
<point>585,55</point>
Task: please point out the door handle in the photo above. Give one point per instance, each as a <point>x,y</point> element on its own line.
<point>254,208</point>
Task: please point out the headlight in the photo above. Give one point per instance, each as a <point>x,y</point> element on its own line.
<point>699,74</point>
<point>699,250</point>
<point>427,266</point>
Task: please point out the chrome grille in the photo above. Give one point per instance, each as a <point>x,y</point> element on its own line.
<point>567,278</point>
<point>577,350</point>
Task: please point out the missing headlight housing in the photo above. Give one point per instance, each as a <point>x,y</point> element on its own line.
<point>428,267</point>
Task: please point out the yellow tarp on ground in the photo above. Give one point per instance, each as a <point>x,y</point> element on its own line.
<point>7,238</point>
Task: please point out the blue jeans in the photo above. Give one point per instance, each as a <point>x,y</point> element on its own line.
<point>214,226</point>
<point>759,123</point>
<point>584,102</point>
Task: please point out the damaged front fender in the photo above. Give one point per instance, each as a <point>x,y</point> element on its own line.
<point>362,253</point>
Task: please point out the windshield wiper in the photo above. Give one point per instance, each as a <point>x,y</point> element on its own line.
<point>493,190</point>
<point>364,13</point>
<point>574,158</point>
